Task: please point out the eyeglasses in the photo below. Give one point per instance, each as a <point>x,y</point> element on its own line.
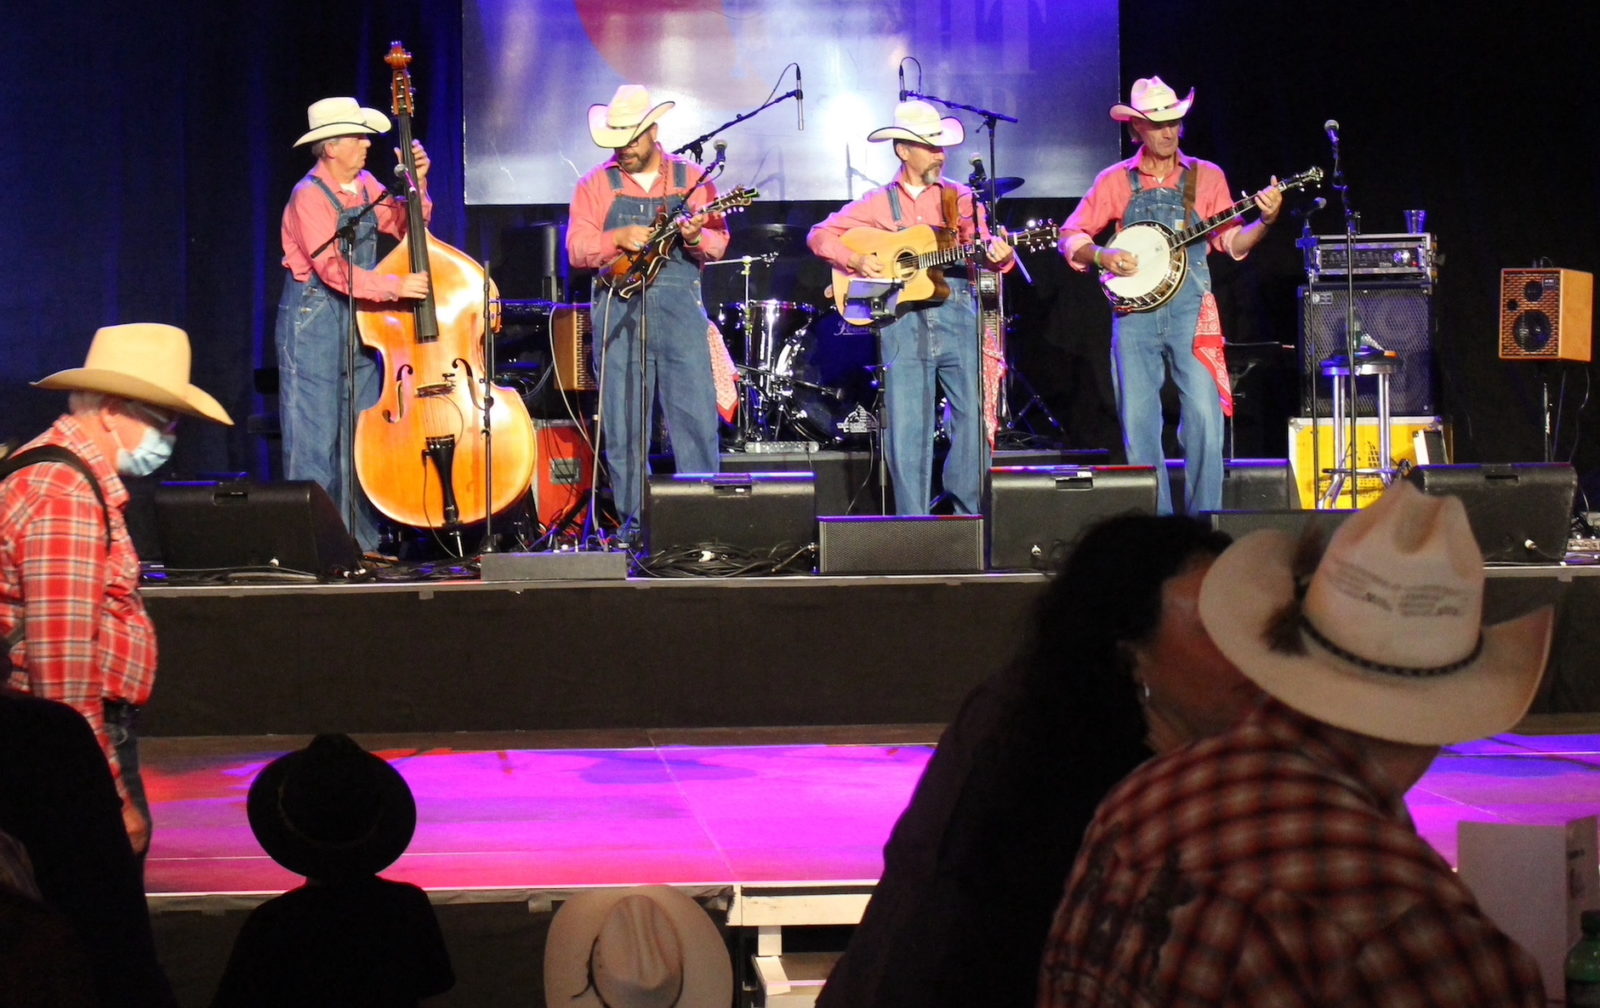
<point>161,420</point>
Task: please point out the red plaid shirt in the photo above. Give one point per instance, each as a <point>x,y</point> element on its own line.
<point>1271,866</point>
<point>88,638</point>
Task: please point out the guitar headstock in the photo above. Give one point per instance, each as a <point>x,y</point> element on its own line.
<point>1311,176</point>
<point>1037,235</point>
<point>403,100</point>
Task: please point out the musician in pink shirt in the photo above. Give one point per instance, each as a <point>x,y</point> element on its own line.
<point>1182,336</point>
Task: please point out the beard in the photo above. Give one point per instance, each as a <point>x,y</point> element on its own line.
<point>931,176</point>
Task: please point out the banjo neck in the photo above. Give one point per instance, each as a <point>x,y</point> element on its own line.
<point>1199,229</point>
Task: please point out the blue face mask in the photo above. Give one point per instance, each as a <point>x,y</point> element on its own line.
<point>148,455</point>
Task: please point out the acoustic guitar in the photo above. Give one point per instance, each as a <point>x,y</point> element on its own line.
<point>912,259</point>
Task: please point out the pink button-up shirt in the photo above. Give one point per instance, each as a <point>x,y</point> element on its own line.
<point>589,246</point>
<point>1107,200</point>
<point>309,220</point>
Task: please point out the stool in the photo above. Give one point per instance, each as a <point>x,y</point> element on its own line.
<point>1338,368</point>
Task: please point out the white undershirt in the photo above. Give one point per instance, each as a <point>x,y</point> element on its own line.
<point>914,190</point>
<point>645,180</point>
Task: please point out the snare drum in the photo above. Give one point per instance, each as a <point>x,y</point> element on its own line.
<point>756,330</point>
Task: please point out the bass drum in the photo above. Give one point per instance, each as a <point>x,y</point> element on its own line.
<point>827,377</point>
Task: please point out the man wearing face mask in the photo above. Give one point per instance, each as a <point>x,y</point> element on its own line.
<point>73,625</point>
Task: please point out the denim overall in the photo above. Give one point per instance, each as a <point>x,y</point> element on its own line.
<point>1144,346</point>
<point>678,357</point>
<point>313,325</point>
<point>921,351</point>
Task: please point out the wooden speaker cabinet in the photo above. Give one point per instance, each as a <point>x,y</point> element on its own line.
<point>1546,314</point>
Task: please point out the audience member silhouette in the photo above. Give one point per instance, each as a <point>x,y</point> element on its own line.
<point>74,928</point>
<point>973,869</point>
<point>338,815</point>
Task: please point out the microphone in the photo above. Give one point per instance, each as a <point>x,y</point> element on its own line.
<point>1331,127</point>
<point>721,155</point>
<point>1309,208</point>
<point>902,80</point>
<point>799,101</point>
<point>404,185</point>
<point>977,168</point>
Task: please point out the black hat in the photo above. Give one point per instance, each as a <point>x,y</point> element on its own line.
<point>332,810</point>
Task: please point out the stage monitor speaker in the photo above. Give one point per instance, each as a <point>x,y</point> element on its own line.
<point>1037,512</point>
<point>1293,521</point>
<point>1247,484</point>
<point>1546,314</point>
<point>291,525</point>
<point>1397,317</point>
<point>916,544</point>
<point>755,512</point>
<point>1520,513</point>
<point>847,481</point>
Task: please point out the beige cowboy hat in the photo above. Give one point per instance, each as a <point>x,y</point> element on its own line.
<point>1386,637</point>
<point>635,947</point>
<point>919,122</point>
<point>144,361</point>
<point>333,117</point>
<point>629,114</point>
<point>1150,98</point>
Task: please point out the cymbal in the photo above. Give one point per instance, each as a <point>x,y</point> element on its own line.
<point>1001,186</point>
<point>785,239</point>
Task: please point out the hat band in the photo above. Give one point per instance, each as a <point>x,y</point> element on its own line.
<point>1414,672</point>
<point>320,843</point>
<point>342,122</point>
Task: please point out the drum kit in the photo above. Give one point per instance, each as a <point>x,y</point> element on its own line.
<point>807,380</point>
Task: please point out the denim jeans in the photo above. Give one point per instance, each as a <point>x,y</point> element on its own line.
<point>922,352</point>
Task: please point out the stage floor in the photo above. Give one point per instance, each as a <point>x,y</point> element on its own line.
<point>498,815</point>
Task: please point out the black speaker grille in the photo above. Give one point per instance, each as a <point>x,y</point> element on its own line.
<point>1397,317</point>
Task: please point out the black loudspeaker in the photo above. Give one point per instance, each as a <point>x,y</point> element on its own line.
<point>1037,512</point>
<point>920,544</point>
<point>1247,484</point>
<point>1520,513</point>
<point>291,525</point>
<point>1397,317</point>
<point>756,512</point>
<point>1293,521</point>
<point>1546,314</point>
<point>847,482</point>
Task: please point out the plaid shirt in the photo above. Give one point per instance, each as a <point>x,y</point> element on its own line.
<point>88,638</point>
<point>1271,866</point>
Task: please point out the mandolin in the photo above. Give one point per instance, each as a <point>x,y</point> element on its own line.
<point>631,272</point>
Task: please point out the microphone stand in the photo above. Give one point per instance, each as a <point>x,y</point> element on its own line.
<point>487,545</point>
<point>1307,244</point>
<point>345,235</point>
<point>1350,340</point>
<point>697,145</point>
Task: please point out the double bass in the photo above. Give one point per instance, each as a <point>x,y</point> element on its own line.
<point>420,451</point>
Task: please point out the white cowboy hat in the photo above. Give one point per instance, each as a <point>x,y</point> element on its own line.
<point>143,361</point>
<point>919,122</point>
<point>635,947</point>
<point>629,114</point>
<point>1150,98</point>
<point>333,117</point>
<point>1387,639</point>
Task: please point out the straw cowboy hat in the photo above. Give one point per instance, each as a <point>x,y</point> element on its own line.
<point>1386,637</point>
<point>635,947</point>
<point>629,114</point>
<point>331,811</point>
<point>333,117</point>
<point>919,122</point>
<point>144,361</point>
<point>1150,98</point>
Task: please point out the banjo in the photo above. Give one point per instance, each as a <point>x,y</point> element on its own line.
<point>1163,264</point>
